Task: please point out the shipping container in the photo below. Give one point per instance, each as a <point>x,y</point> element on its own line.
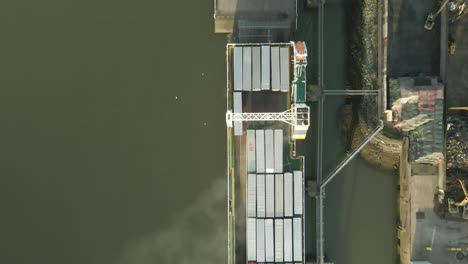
<point>269,151</point>
<point>238,80</point>
<point>275,69</point>
<point>279,240</point>
<point>260,195</point>
<point>279,148</point>
<point>297,238</point>
<point>251,195</point>
<point>279,211</point>
<point>260,149</point>
<point>265,67</point>
<point>288,246</point>
<point>298,193</point>
<point>288,194</point>
<point>251,162</point>
<point>260,240</point>
<point>256,69</point>
<point>251,239</point>
<point>284,68</point>
<point>269,240</point>
<point>270,195</point>
<point>237,103</point>
<point>247,69</point>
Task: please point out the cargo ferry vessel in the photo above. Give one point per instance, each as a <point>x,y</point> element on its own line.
<point>266,117</point>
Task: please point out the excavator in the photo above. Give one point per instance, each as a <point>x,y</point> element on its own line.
<point>430,20</point>
<point>453,206</point>
<point>464,204</point>
<point>456,9</point>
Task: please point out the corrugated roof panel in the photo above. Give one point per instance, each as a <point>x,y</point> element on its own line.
<point>279,209</point>
<point>279,148</point>
<point>251,239</point>
<point>288,246</point>
<point>270,195</point>
<point>237,105</point>
<point>247,69</point>
<point>288,194</point>
<point>237,57</point>
<point>261,240</point>
<point>250,149</point>
<point>269,151</point>
<point>256,69</point>
<point>275,69</point>
<point>298,192</point>
<point>279,240</point>
<point>251,195</point>
<point>265,67</point>
<point>297,239</point>
<point>260,149</point>
<point>269,240</point>
<point>260,195</point>
<point>284,68</point>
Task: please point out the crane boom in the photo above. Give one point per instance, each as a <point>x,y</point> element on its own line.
<point>297,117</point>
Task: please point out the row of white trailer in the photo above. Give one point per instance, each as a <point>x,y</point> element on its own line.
<point>274,217</point>
<point>275,240</point>
<point>257,68</point>
<point>265,151</point>
<point>275,195</point>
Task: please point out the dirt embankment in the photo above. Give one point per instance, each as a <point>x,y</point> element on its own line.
<point>359,114</point>
<point>382,151</point>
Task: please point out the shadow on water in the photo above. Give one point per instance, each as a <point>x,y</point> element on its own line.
<point>195,235</point>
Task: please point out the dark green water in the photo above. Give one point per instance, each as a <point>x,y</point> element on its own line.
<point>99,163</point>
<point>360,201</point>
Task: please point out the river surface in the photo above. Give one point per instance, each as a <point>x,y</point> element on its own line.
<point>112,139</point>
<point>360,204</point>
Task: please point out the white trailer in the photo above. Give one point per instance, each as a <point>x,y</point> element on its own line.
<point>298,192</point>
<point>247,69</point>
<point>251,239</point>
<point>260,149</point>
<point>260,195</point>
<point>275,69</point>
<point>288,195</point>
<point>256,69</point>
<point>279,204</point>
<point>279,148</point>
<point>260,240</point>
<point>250,149</point>
<point>251,195</point>
<point>270,195</point>
<point>265,67</point>
<point>297,238</point>
<point>288,246</point>
<point>269,151</point>
<point>238,80</point>
<point>279,240</point>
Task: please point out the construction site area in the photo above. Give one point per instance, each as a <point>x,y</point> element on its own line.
<point>427,82</point>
